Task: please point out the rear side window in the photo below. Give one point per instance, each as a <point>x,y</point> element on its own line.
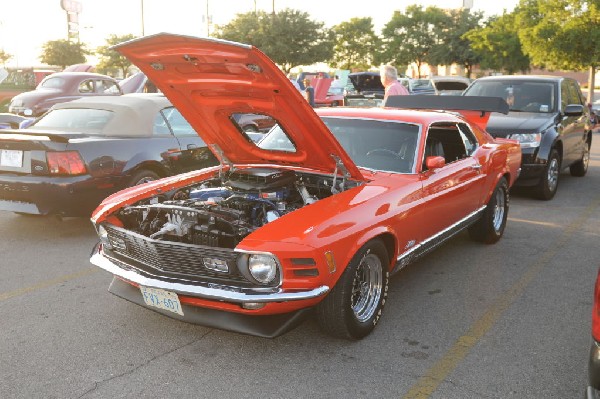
<point>107,87</point>
<point>87,86</point>
<point>75,119</point>
<point>170,119</point>
<point>449,141</point>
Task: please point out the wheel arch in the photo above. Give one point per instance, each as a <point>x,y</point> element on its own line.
<point>386,236</point>
<point>550,140</point>
<point>151,166</point>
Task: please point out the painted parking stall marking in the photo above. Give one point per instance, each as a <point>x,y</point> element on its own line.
<point>46,284</point>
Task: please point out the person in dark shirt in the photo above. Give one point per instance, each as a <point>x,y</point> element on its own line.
<point>309,92</point>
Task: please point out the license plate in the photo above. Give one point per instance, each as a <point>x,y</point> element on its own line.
<point>161,299</point>
<point>12,158</point>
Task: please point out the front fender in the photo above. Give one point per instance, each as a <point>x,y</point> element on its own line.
<point>550,140</point>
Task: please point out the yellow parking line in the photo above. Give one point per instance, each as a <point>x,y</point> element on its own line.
<point>429,382</point>
<point>534,222</point>
<point>48,283</point>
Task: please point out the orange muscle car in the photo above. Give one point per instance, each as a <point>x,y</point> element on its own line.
<point>315,216</point>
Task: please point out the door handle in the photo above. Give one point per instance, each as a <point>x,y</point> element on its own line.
<point>476,166</point>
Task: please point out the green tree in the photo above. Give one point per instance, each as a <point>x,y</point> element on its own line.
<point>63,53</point>
<point>410,37</point>
<point>110,60</point>
<point>561,34</point>
<point>289,37</point>
<point>453,46</point>
<point>4,56</point>
<point>498,45</point>
<point>355,44</point>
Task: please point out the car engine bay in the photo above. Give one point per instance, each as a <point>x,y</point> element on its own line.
<point>222,211</point>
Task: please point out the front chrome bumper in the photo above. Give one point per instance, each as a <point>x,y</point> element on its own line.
<point>208,291</point>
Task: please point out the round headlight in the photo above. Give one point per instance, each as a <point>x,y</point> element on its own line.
<point>263,268</point>
<point>103,235</point>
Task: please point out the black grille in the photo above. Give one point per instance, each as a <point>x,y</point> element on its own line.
<point>173,259</point>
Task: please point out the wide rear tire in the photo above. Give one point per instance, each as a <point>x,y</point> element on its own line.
<point>490,227</point>
<point>353,308</point>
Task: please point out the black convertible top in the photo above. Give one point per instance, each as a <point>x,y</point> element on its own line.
<point>454,103</point>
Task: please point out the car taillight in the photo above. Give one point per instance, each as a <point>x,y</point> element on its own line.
<point>596,310</point>
<point>65,163</point>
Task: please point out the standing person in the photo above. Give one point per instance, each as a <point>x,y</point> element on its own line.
<point>309,92</point>
<point>389,79</point>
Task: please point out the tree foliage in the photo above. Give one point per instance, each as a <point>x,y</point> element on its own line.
<point>110,60</point>
<point>289,37</point>
<point>63,53</point>
<point>410,37</point>
<point>355,44</point>
<point>453,46</point>
<point>561,34</point>
<point>498,45</point>
<point>4,56</point>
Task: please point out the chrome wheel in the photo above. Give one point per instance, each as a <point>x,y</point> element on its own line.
<point>499,209</point>
<point>552,175</point>
<point>354,306</point>
<point>586,157</point>
<point>367,287</point>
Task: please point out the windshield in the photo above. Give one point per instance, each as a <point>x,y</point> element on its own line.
<point>52,83</point>
<point>422,84</point>
<point>371,144</point>
<point>521,96</point>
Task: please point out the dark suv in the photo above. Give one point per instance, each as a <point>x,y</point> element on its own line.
<point>548,116</point>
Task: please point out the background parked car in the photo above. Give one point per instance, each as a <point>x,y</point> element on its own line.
<point>12,121</point>
<point>61,87</point>
<point>418,86</point>
<point>81,151</point>
<point>364,89</point>
<point>450,85</point>
<point>549,117</point>
<point>309,75</point>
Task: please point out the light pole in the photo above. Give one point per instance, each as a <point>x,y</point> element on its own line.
<point>207,21</point>
<point>142,8</point>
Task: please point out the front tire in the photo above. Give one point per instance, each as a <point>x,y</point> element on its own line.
<point>579,168</point>
<point>490,227</point>
<point>354,306</point>
<point>546,189</point>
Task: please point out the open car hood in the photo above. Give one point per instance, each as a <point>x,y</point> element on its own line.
<point>209,80</point>
<point>367,82</point>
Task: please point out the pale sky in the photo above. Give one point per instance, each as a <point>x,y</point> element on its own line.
<point>26,24</point>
